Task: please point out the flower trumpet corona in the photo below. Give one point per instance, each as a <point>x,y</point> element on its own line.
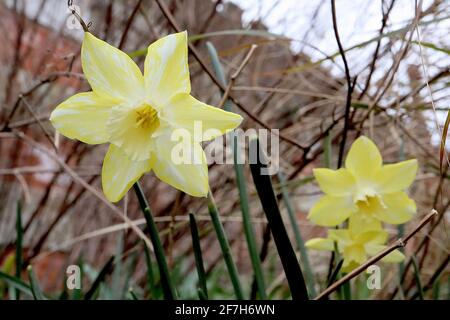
<point>355,246</point>
<point>139,115</point>
<point>365,187</point>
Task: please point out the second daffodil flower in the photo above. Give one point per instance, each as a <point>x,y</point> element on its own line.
<point>355,246</point>
<point>367,187</point>
<point>137,115</point>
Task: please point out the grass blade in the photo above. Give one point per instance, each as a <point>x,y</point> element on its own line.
<point>218,70</point>
<point>432,46</point>
<point>240,32</point>
<point>77,294</point>
<point>16,283</point>
<point>268,200</point>
<point>448,287</point>
<point>19,239</point>
<point>248,227</point>
<point>335,273</point>
<point>203,289</point>
<point>401,227</point>
<point>444,140</point>
<point>346,289</point>
<point>298,237</point>
<point>34,285</point>
<point>116,292</point>
<point>225,247</point>
<point>436,290</point>
<point>327,151</point>
<point>132,294</point>
<point>166,282</point>
<point>417,277</point>
<point>217,66</point>
<point>100,278</point>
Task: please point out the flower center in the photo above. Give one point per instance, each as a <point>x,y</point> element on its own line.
<point>146,118</point>
<point>370,205</point>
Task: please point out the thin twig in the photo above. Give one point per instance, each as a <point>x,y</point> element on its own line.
<point>389,78</point>
<point>128,25</point>
<point>348,102</point>
<point>41,125</point>
<point>48,79</point>
<point>400,243</point>
<point>377,49</point>
<point>235,75</point>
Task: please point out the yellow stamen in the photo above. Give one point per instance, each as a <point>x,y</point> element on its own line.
<point>147,118</point>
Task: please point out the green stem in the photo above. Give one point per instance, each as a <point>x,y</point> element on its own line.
<point>19,231</point>
<point>150,276</point>
<point>298,236</point>
<point>248,228</point>
<point>166,282</point>
<point>417,277</point>
<point>99,279</point>
<point>203,289</point>
<point>225,247</point>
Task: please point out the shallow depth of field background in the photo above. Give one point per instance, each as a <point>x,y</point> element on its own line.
<point>294,82</point>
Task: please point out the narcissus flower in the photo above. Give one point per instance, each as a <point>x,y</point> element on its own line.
<point>366,187</point>
<point>138,114</point>
<point>355,246</point>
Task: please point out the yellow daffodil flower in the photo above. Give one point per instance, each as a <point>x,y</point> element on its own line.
<point>366,187</point>
<point>355,247</point>
<point>137,114</point>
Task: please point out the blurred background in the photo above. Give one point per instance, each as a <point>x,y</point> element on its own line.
<point>398,56</point>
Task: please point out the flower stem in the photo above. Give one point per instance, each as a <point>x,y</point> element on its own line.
<point>225,247</point>
<point>202,289</point>
<point>166,282</point>
<point>298,236</point>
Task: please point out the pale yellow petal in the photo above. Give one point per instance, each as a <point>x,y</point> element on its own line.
<point>363,159</point>
<point>166,69</point>
<point>83,117</point>
<point>204,122</point>
<point>394,257</point>
<point>396,177</point>
<point>361,222</point>
<point>182,164</point>
<point>320,244</point>
<point>349,265</point>
<point>335,182</point>
<point>341,236</point>
<point>399,208</point>
<point>372,237</point>
<point>109,71</point>
<point>119,173</point>
<point>354,255</point>
<point>331,211</point>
